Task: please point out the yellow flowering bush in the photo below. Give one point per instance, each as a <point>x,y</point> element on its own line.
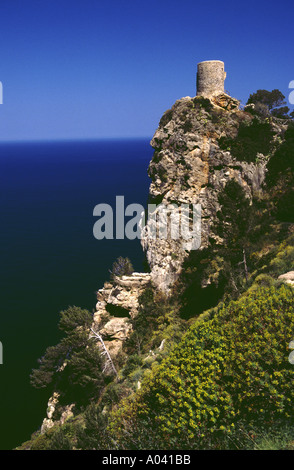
<point>231,368</point>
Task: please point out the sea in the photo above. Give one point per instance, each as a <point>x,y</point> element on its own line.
<point>49,256</point>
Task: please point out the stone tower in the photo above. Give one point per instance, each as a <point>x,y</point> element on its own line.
<point>210,78</point>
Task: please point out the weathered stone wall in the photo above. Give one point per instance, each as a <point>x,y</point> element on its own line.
<point>210,78</point>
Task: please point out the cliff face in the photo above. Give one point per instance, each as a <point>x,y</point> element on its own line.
<point>117,304</point>
<point>189,166</point>
<point>200,145</point>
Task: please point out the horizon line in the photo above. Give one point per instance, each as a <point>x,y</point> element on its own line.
<point>72,139</point>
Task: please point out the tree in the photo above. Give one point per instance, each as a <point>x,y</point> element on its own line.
<point>108,362</point>
<point>253,138</point>
<point>121,267</point>
<point>84,372</point>
<point>280,177</point>
<point>283,159</point>
<point>74,317</point>
<point>49,364</point>
<point>274,100</point>
<point>235,221</point>
<point>281,112</point>
<point>93,435</point>
<point>74,365</point>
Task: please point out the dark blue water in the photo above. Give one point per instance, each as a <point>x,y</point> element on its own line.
<point>49,256</point>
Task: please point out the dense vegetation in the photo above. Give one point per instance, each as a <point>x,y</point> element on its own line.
<point>207,367</point>
<point>270,103</point>
<point>228,370</point>
<point>73,366</point>
<point>253,138</point>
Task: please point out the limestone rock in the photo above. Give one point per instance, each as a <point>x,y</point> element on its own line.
<point>49,422</point>
<point>288,278</point>
<point>116,329</point>
<point>67,413</point>
<point>118,303</point>
<point>51,406</point>
<point>189,167</point>
<point>225,101</point>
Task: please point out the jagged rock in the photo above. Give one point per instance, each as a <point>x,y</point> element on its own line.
<point>49,422</point>
<point>162,345</point>
<point>225,101</point>
<point>51,406</point>
<point>118,302</point>
<point>288,278</point>
<point>249,107</point>
<point>189,167</point>
<point>46,425</point>
<point>67,413</point>
<point>116,329</point>
<point>123,293</point>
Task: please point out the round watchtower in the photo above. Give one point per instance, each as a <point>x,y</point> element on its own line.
<point>210,78</point>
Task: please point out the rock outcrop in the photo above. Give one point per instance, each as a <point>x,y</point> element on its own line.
<point>49,421</point>
<point>118,302</point>
<point>190,167</point>
<point>288,278</point>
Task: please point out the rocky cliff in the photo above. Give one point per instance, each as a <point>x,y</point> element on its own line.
<point>118,303</point>
<point>201,144</point>
<point>191,165</point>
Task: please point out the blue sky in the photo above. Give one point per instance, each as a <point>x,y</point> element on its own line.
<point>95,68</point>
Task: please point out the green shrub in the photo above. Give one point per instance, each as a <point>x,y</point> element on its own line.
<point>251,139</point>
<point>158,319</point>
<point>74,365</point>
<point>282,160</point>
<point>92,434</point>
<point>42,441</point>
<point>121,267</point>
<point>273,101</point>
<point>264,280</point>
<point>229,369</point>
<point>283,261</point>
<point>132,363</point>
<point>62,438</point>
<point>187,126</point>
<point>167,116</point>
<point>201,102</point>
